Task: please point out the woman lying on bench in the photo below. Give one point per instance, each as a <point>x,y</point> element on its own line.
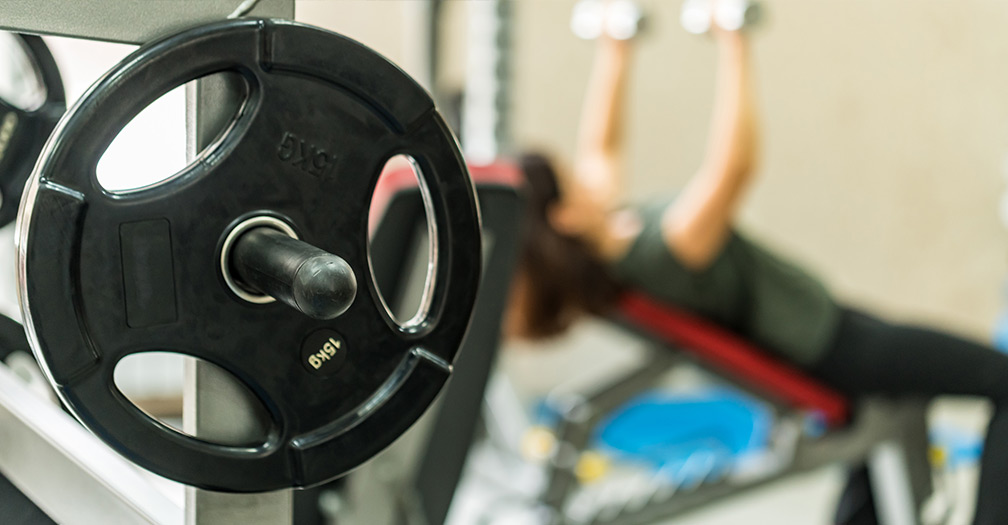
<point>584,247</point>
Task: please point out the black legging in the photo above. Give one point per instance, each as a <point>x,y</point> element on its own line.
<point>871,356</point>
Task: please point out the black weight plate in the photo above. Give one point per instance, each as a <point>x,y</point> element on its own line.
<point>23,131</point>
<point>106,275</point>
<point>12,337</point>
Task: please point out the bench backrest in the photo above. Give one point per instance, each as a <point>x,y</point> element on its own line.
<point>734,357</point>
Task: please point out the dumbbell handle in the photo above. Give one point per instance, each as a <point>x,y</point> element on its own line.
<point>311,280</point>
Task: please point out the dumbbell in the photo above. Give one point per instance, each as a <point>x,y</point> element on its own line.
<point>731,15</point>
<point>619,19</point>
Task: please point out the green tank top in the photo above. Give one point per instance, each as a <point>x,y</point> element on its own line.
<point>747,289</point>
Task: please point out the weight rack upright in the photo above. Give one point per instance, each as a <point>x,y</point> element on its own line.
<point>65,470</point>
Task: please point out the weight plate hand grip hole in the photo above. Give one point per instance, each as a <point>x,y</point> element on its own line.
<point>151,149</point>
<point>162,400</point>
<point>404,292</point>
<point>22,84</point>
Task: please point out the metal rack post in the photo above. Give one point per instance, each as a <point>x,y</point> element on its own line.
<point>211,408</point>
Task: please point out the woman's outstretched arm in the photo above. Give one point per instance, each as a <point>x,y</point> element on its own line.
<point>697,225</point>
<point>600,148</point>
<point>595,186</point>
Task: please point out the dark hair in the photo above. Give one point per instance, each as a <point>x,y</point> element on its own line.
<point>564,278</point>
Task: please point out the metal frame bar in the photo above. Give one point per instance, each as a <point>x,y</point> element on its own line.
<point>890,436</point>
<point>890,479</point>
<point>125,21</point>
<point>68,472</point>
<point>580,415</point>
<point>485,129</point>
<point>212,405</point>
<point>75,462</point>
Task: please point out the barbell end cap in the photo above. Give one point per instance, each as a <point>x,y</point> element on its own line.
<point>315,282</point>
<point>324,287</point>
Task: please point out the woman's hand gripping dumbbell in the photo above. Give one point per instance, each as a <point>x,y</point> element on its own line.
<point>699,16</point>
<point>616,19</point>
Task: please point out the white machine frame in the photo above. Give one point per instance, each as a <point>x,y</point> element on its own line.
<point>63,469</point>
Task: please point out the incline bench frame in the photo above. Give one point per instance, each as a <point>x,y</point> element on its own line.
<point>889,437</point>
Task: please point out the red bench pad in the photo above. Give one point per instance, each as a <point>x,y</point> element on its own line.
<point>737,358</point>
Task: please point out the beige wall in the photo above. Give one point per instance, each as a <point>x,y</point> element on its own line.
<point>885,131</point>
